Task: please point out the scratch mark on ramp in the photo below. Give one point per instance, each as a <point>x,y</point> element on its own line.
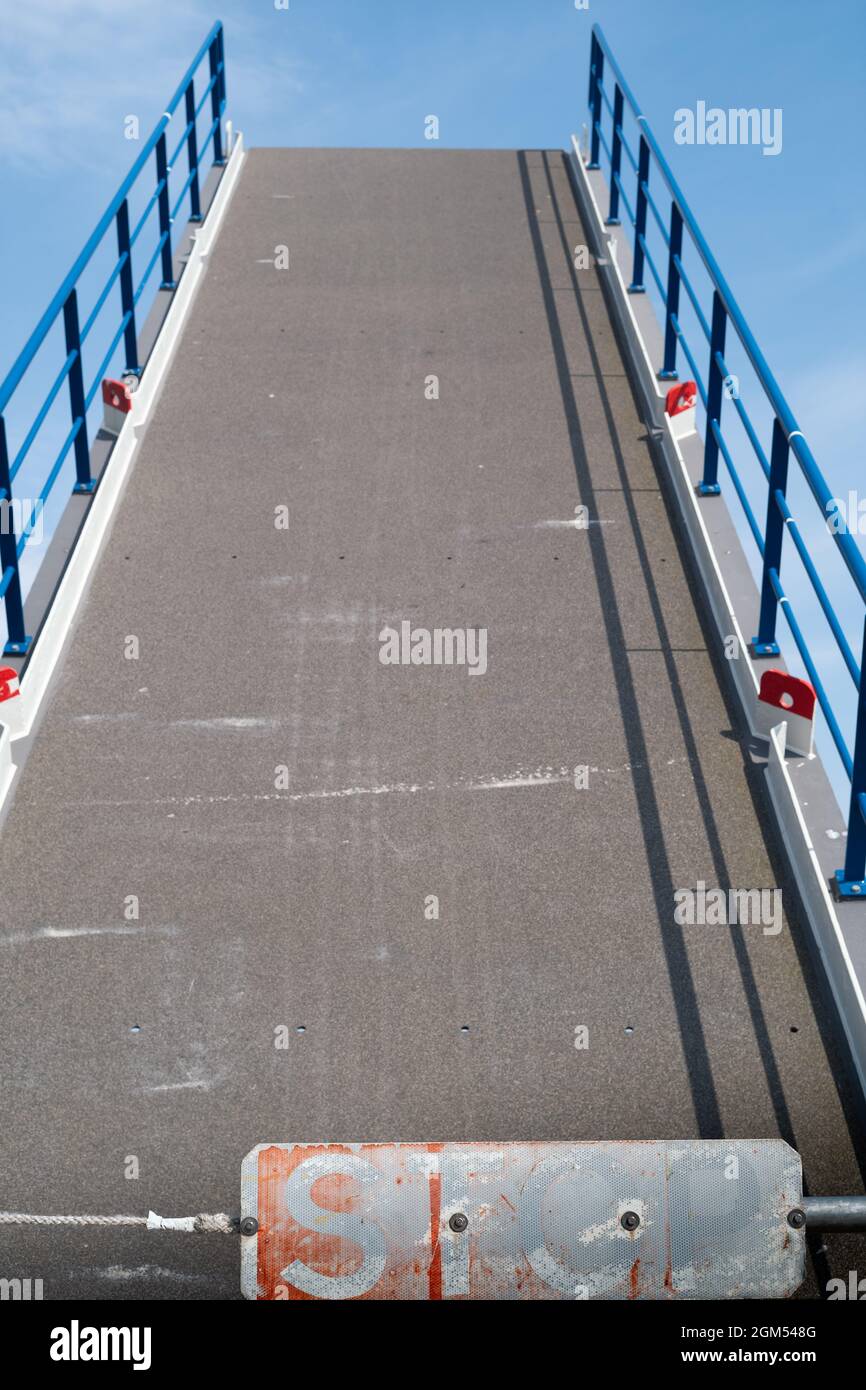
<point>20,938</point>
<point>180,1086</point>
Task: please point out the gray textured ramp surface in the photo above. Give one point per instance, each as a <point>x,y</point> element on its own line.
<point>264,906</point>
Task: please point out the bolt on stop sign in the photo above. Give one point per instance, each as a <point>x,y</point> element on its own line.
<point>642,1220</point>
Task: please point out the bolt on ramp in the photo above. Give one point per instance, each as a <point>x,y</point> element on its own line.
<point>381,901</point>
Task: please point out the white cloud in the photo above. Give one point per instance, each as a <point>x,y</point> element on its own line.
<point>71,69</point>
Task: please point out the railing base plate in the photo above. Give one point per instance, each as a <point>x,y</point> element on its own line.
<point>852,889</point>
<point>18,648</point>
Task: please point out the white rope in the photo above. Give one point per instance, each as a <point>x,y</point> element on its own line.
<point>203,1222</point>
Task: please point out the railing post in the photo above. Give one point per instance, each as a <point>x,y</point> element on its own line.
<point>616,158</point>
<point>127,297</point>
<point>84,482</point>
<point>672,299</point>
<point>765,643</point>
<point>643,168</point>
<point>18,640</point>
<point>596,73</point>
<point>164,213</point>
<point>192,151</point>
<point>709,484</point>
<point>215,56</point>
<point>850,882</point>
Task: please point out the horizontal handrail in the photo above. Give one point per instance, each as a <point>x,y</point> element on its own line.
<point>65,304</point>
<point>788,438</point>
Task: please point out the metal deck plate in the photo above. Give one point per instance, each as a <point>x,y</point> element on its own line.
<point>539,1221</point>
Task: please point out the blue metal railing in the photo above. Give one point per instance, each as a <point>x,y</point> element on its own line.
<point>787,437</point>
<point>65,303</point>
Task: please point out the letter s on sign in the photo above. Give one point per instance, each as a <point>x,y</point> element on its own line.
<point>346,1225</point>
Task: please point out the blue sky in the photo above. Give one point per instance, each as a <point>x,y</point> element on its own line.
<point>788,231</point>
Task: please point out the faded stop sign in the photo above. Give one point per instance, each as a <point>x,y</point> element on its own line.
<point>642,1220</point>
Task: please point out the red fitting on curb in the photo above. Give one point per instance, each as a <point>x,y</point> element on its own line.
<point>681,397</point>
<point>788,693</point>
<point>116,405</point>
<point>117,394</point>
<point>8,683</point>
<point>781,695</point>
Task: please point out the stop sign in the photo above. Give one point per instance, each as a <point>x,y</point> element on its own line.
<point>684,1219</point>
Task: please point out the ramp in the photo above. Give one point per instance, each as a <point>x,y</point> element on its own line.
<point>383,901</point>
